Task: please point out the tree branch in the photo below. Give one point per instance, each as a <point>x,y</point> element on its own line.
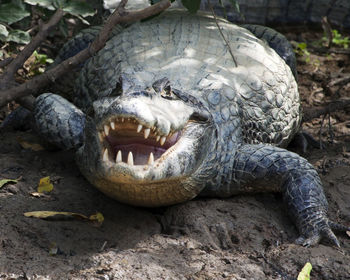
<point>29,49</point>
<point>5,62</point>
<point>119,16</point>
<point>222,34</point>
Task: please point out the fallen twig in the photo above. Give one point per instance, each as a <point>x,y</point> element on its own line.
<point>324,50</point>
<point>339,81</point>
<point>328,31</point>
<point>120,15</point>
<point>320,132</point>
<point>5,62</point>
<point>311,113</point>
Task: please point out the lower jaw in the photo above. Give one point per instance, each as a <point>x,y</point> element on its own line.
<point>126,188</point>
<point>140,153</point>
<point>154,194</point>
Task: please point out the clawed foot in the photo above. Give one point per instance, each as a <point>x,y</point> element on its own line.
<point>325,232</point>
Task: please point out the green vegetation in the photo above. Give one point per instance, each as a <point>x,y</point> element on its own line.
<point>38,64</point>
<point>301,50</point>
<point>16,15</point>
<point>339,40</point>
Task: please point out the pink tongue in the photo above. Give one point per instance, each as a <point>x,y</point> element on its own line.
<point>140,152</point>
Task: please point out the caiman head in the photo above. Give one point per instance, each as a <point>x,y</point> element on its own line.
<point>147,147</point>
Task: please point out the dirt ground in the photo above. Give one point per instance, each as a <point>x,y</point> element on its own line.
<point>244,237</point>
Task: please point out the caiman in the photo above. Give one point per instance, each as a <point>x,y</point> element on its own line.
<point>166,111</point>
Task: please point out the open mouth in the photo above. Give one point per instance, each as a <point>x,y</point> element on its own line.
<point>125,140</point>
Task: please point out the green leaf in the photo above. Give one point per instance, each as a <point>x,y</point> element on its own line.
<point>42,58</point>
<point>3,182</point>
<point>42,3</point>
<point>3,31</point>
<point>63,27</point>
<point>10,13</point>
<point>18,3</point>
<point>235,5</point>
<point>79,9</point>
<point>302,46</point>
<point>18,36</point>
<point>305,272</point>
<point>191,5</point>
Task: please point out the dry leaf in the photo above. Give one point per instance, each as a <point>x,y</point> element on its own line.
<point>37,194</point>
<point>33,146</point>
<point>65,216</point>
<point>45,185</point>
<point>56,216</point>
<point>3,182</point>
<point>97,218</point>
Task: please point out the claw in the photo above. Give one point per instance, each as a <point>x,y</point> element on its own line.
<point>308,242</point>
<point>328,234</point>
<point>316,237</point>
<point>338,227</point>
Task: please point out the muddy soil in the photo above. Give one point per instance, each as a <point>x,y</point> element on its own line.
<point>243,237</point>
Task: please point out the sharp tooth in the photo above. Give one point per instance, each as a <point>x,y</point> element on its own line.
<point>130,159</point>
<point>118,157</point>
<point>162,140</point>
<point>151,159</point>
<point>158,137</point>
<point>113,125</point>
<point>106,129</point>
<point>139,128</point>
<point>100,135</point>
<point>147,131</point>
<point>105,155</point>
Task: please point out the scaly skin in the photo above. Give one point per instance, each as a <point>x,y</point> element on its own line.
<point>267,12</point>
<point>169,116</point>
<point>285,11</point>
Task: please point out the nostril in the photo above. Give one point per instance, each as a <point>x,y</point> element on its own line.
<point>118,90</point>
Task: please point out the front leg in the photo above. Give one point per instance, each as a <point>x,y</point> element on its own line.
<point>274,168</point>
<point>59,121</point>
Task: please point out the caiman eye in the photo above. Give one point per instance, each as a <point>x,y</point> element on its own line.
<point>162,87</point>
<point>167,93</point>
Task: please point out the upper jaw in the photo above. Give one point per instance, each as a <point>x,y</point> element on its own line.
<point>126,140</point>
